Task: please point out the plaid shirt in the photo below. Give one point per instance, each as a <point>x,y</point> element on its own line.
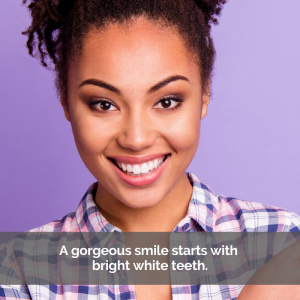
<point>207,211</point>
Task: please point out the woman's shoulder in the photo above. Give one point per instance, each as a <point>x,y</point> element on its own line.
<point>255,216</point>
<point>220,213</point>
<point>67,223</point>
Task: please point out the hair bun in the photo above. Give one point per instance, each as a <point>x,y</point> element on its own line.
<point>210,9</point>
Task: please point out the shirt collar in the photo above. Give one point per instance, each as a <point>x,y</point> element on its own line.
<point>203,209</point>
<point>204,204</point>
<point>88,216</point>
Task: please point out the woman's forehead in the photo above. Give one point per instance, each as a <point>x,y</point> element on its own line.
<point>137,51</point>
<point>139,38</point>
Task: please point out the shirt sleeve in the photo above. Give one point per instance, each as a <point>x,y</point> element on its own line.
<point>13,292</point>
<point>295,223</point>
<point>7,274</point>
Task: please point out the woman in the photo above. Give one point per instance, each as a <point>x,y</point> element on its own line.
<point>134,79</point>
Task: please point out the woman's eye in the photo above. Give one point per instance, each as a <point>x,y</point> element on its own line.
<point>168,103</point>
<point>104,106</point>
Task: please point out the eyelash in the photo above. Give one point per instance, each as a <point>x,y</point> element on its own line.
<point>94,103</point>
<point>171,98</point>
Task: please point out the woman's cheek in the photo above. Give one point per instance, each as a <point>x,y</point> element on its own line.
<point>91,138</point>
<point>183,135</point>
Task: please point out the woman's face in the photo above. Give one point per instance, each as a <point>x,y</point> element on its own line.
<point>135,103</point>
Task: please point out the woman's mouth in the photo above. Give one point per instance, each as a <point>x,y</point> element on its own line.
<point>139,174</point>
<point>140,169</point>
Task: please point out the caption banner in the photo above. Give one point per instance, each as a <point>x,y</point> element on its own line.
<point>226,258</point>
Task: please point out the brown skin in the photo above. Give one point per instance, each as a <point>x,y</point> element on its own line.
<point>269,292</point>
<point>283,268</point>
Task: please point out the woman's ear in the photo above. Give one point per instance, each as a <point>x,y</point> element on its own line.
<point>65,106</point>
<point>205,100</point>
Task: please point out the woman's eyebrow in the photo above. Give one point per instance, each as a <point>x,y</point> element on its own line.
<point>165,82</point>
<point>154,88</point>
<point>102,84</point>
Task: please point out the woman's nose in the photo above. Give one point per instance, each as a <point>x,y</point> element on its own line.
<point>137,132</point>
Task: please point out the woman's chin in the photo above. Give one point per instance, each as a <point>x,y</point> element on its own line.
<point>140,200</point>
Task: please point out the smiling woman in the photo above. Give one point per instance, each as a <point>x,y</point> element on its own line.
<point>134,82</point>
<point>149,111</point>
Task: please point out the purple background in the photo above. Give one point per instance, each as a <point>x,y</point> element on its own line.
<point>249,146</point>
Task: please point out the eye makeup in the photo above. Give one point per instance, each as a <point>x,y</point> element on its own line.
<point>166,103</point>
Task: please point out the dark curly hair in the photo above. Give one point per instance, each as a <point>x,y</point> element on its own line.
<point>58,27</point>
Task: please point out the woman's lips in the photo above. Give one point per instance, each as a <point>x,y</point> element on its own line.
<point>140,171</point>
<point>137,159</point>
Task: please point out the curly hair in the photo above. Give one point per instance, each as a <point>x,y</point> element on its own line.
<point>59,26</point>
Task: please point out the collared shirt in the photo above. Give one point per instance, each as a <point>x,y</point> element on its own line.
<point>206,212</point>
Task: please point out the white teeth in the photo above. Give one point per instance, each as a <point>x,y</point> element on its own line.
<point>144,168</point>
<point>136,169</point>
<point>151,166</point>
